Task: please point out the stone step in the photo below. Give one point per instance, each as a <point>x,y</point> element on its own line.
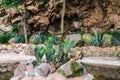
<point>101,61</point>
<point>12,58</point>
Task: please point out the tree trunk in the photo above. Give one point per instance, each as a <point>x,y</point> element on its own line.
<point>24,20</point>
<point>62,18</point>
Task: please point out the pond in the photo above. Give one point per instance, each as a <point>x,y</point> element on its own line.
<point>104,73</point>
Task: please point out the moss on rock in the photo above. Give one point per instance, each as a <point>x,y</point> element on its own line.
<point>87,38</point>
<point>77,70</point>
<point>107,40</point>
<point>62,72</point>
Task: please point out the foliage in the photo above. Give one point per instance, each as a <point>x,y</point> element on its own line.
<point>5,37</point>
<point>99,38</point>
<point>19,39</point>
<point>11,3</point>
<point>14,27</point>
<point>42,38</point>
<point>55,51</point>
<point>38,53</point>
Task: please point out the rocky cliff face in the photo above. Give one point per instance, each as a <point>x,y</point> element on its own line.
<point>79,15</point>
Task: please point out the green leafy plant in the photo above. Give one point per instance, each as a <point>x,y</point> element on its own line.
<point>99,38</point>
<point>38,53</point>
<point>14,28</point>
<point>10,3</point>
<point>55,52</point>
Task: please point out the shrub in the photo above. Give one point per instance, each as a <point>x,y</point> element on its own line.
<point>5,37</point>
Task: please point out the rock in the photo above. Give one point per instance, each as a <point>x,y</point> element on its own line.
<point>87,38</point>
<point>42,22</point>
<point>9,47</point>
<point>107,40</point>
<point>4,47</point>
<point>74,37</point>
<point>35,78</point>
<point>9,68</point>
<point>27,78</point>
<point>3,52</point>
<point>55,76</point>
<point>15,78</point>
<point>16,20</point>
<point>32,38</point>
<point>39,78</point>
<point>21,28</point>
<point>4,70</point>
<point>24,68</point>
<point>0,47</point>
<point>16,50</point>
<point>43,69</point>
<point>29,49</point>
<point>20,70</point>
<point>44,59</point>
<point>30,69</point>
<point>75,53</point>
<point>5,28</point>
<point>32,8</point>
<point>71,68</point>
<point>2,12</point>
<point>11,41</point>
<point>76,24</point>
<point>83,77</point>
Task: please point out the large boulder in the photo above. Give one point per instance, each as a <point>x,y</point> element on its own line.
<point>87,38</point>
<point>5,28</point>
<point>107,40</point>
<point>71,68</point>
<point>32,38</point>
<point>43,69</point>
<point>74,37</point>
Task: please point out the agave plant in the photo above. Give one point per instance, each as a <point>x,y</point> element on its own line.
<point>37,39</point>
<point>19,38</point>
<point>99,38</point>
